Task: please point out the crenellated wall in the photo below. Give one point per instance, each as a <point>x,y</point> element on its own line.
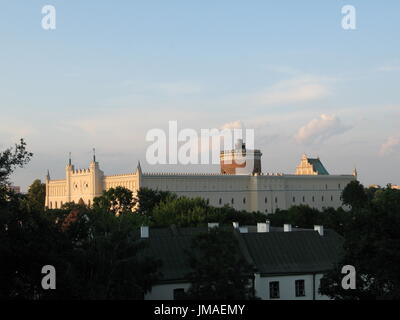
<point>253,192</point>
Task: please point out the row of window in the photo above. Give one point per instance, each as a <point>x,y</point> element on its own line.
<point>313,199</point>
<point>275,200</point>
<point>274,292</point>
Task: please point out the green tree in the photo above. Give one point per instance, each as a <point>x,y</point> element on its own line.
<point>354,195</point>
<point>219,270</point>
<point>36,195</point>
<point>118,200</point>
<point>12,158</point>
<point>147,199</point>
<point>372,246</point>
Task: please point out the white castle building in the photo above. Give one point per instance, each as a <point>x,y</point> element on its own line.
<point>251,191</point>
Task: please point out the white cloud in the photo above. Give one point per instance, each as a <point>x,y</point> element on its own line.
<point>293,91</point>
<point>233,125</point>
<point>320,129</point>
<point>389,68</point>
<point>392,144</point>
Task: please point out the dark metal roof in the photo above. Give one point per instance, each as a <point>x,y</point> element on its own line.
<point>275,252</point>
<point>293,252</point>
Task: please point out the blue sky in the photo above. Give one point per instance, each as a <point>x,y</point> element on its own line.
<point>111,71</point>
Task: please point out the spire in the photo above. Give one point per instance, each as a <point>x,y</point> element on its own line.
<point>355,173</point>
<point>48,175</point>
<point>69,161</point>
<point>139,168</point>
<point>94,155</point>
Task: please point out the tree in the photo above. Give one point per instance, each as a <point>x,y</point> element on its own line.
<point>118,200</point>
<point>37,195</point>
<point>372,246</point>
<point>354,195</point>
<point>147,199</point>
<point>12,158</point>
<point>219,270</point>
<point>181,211</point>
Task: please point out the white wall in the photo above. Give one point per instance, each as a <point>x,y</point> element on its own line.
<point>165,291</point>
<point>287,287</point>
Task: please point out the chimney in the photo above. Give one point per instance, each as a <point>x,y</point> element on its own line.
<point>243,230</point>
<point>144,232</point>
<point>287,228</point>
<point>235,225</point>
<point>213,225</point>
<point>263,227</point>
<point>320,230</point>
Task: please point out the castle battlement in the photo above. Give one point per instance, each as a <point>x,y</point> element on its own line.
<point>252,190</point>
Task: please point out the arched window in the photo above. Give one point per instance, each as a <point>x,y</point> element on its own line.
<point>55,204</point>
<point>244,200</point>
<point>322,198</point>
<point>220,200</point>
<point>304,199</point>
<point>294,199</point>
<point>331,198</point>
<point>276,199</point>
<point>266,199</point>
<point>313,199</point>
<point>51,205</point>
<point>233,201</point>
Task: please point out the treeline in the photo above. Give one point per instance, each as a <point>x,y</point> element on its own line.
<point>97,253</point>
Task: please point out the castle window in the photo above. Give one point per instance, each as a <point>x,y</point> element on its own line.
<point>304,199</point>
<point>51,205</point>
<point>233,201</point>
<point>322,198</point>
<point>220,201</point>
<point>55,204</point>
<point>266,210</point>
<point>339,186</point>
<point>313,199</point>
<point>276,199</point>
<point>244,200</point>
<point>331,198</point>
<point>61,204</point>
<point>208,201</point>
<point>326,187</point>
<point>294,199</point>
<point>266,199</point>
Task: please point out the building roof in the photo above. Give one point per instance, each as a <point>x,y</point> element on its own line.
<point>318,166</point>
<point>293,252</point>
<point>275,252</point>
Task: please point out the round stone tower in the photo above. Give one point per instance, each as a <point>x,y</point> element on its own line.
<point>240,160</point>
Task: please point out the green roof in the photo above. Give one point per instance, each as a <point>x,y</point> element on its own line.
<point>318,166</point>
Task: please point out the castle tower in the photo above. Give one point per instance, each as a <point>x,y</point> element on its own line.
<point>240,160</point>
<point>96,176</point>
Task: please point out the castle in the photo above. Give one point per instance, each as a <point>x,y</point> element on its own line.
<point>243,187</point>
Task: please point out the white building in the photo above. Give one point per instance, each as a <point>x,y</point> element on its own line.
<point>289,262</point>
<point>311,185</point>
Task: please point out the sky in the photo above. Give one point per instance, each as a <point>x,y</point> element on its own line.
<point>113,70</point>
